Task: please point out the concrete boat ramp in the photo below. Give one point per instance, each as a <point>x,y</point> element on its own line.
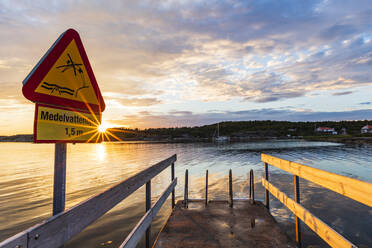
<point>219,225</point>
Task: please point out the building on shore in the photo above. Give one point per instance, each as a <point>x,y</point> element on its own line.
<point>327,130</point>
<point>366,129</point>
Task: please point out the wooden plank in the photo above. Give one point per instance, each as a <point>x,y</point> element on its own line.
<point>18,240</point>
<point>357,190</point>
<point>57,230</point>
<point>206,188</point>
<point>217,226</point>
<point>296,186</point>
<point>186,193</point>
<point>136,234</point>
<point>148,206</point>
<point>173,192</point>
<point>267,200</point>
<point>329,235</point>
<point>251,186</point>
<point>231,200</point>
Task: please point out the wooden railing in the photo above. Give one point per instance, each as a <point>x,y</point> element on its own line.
<point>352,188</point>
<point>57,230</point>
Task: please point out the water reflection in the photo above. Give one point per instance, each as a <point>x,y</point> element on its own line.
<point>101,152</point>
<point>26,182</point>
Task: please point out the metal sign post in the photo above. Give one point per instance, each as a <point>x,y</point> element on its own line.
<point>59,188</point>
<point>68,103</point>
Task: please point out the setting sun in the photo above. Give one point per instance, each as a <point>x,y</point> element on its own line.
<point>103,127</point>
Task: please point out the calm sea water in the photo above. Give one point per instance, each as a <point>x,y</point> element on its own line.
<point>26,180</point>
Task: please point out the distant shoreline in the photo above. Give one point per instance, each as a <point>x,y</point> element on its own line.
<point>335,139</point>
<point>341,139</point>
<point>30,138</point>
<point>239,131</point>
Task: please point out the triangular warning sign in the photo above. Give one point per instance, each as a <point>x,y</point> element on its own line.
<point>64,77</point>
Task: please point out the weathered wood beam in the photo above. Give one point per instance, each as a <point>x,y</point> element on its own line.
<point>57,230</point>
<point>136,234</point>
<point>333,238</point>
<point>357,190</point>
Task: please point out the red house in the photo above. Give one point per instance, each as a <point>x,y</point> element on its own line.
<point>366,129</point>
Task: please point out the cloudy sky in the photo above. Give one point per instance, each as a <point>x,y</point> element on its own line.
<point>186,63</point>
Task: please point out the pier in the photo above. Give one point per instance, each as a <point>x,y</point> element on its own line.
<point>219,225</point>
<point>229,222</point>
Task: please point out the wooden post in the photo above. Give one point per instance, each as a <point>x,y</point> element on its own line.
<point>148,206</point>
<point>206,188</point>
<point>186,194</point>
<point>230,189</point>
<point>59,188</point>
<point>266,191</point>
<point>296,185</point>
<point>173,193</point>
<point>252,186</point>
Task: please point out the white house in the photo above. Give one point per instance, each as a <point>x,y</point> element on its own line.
<point>366,129</point>
<point>329,130</point>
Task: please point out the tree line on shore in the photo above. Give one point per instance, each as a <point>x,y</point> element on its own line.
<point>238,130</point>
<point>242,129</point>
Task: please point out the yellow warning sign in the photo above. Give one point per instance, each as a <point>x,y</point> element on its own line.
<point>68,78</point>
<point>57,124</point>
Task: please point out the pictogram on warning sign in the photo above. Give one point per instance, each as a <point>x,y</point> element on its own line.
<point>64,77</point>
